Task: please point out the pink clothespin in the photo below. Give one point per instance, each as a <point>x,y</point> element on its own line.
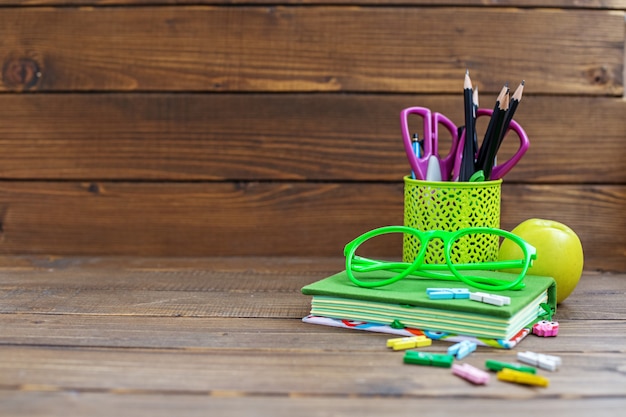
<point>470,373</point>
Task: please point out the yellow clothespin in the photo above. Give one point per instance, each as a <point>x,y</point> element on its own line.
<point>518,377</point>
<point>410,342</point>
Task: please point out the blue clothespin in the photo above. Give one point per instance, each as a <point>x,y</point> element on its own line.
<point>462,349</point>
<point>447,293</point>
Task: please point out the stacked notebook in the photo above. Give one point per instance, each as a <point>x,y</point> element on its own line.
<point>403,308</point>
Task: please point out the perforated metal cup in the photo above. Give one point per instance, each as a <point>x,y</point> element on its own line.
<point>452,206</point>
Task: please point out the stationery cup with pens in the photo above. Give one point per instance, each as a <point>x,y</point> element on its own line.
<point>459,188</point>
<point>436,199</point>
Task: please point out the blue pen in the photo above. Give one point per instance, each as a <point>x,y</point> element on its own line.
<point>415,142</point>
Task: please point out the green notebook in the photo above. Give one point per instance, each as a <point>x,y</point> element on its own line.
<point>406,302</point>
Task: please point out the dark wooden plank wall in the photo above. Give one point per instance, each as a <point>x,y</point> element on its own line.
<point>241,128</point>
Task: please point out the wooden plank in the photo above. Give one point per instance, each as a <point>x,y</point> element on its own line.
<point>283,137</point>
<point>273,219</point>
<point>168,272</point>
<point>257,274</point>
<point>237,288</point>
<point>69,404</point>
<point>565,4</point>
<point>232,333</point>
<point>155,303</point>
<point>249,304</point>
<point>203,48</point>
<point>282,371</point>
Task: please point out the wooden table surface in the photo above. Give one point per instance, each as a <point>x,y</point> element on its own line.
<point>224,336</point>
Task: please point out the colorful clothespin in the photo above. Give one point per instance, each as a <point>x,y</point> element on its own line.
<point>518,377</point>
<point>498,366</point>
<point>471,373</point>
<point>410,342</point>
<point>447,293</point>
<point>462,349</point>
<point>428,359</point>
<point>548,362</point>
<point>497,300</point>
<point>546,328</point>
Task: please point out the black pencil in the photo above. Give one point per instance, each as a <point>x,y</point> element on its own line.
<point>467,162</point>
<point>515,99</point>
<point>492,149</point>
<point>488,138</point>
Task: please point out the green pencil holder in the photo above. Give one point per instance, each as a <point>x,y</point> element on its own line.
<point>452,206</point>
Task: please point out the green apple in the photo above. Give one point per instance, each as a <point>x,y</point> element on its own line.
<point>559,252</point>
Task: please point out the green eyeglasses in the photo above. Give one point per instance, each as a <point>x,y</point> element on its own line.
<point>451,270</point>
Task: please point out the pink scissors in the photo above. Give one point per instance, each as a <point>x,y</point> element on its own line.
<point>431,143</point>
<point>502,169</point>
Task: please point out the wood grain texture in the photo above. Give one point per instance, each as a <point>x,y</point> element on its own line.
<point>208,288</point>
<point>566,4</point>
<point>289,219</point>
<point>354,137</point>
<point>293,372</point>
<point>229,404</point>
<point>55,362</point>
<point>208,334</point>
<point>190,128</point>
<point>204,48</point>
<point>214,135</point>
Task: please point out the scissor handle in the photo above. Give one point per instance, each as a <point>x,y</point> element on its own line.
<point>458,157</point>
<point>418,165</point>
<point>431,141</point>
<point>446,163</point>
<point>501,170</point>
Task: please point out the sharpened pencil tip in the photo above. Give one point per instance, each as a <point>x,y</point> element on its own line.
<point>505,90</point>
<point>504,105</point>
<point>517,95</point>
<point>467,84</point>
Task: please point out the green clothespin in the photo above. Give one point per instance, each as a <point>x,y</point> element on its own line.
<point>428,359</point>
<point>498,366</point>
